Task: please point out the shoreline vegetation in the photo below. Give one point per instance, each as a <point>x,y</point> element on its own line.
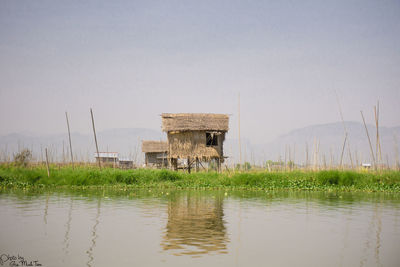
<point>80,177</point>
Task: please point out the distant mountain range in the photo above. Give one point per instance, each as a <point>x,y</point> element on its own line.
<point>125,141</point>
<point>324,143</point>
<point>327,139</point>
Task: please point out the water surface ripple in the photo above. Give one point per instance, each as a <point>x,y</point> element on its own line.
<point>198,228</point>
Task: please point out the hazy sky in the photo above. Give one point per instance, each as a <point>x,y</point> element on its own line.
<point>133,60</point>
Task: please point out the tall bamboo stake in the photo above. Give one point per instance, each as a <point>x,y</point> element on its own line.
<point>294,155</point>
<point>69,138</point>
<point>47,163</point>
<point>351,158</point>
<point>63,153</point>
<point>341,155</point>
<point>378,143</point>
<point>318,158</point>
<point>285,157</point>
<point>306,156</point>
<point>95,138</point>
<point>396,152</point>
<point>357,161</point>
<point>345,134</point>
<point>369,139</point>
<point>240,147</point>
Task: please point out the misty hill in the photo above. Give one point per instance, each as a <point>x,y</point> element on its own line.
<point>328,140</point>
<point>328,137</point>
<point>125,141</point>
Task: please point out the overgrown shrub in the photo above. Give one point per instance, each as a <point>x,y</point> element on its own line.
<point>165,175</point>
<point>328,177</point>
<point>23,157</point>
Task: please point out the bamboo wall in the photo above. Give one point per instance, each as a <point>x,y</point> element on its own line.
<point>192,144</point>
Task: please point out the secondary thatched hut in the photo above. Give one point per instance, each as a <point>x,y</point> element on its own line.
<point>155,153</point>
<point>195,137</point>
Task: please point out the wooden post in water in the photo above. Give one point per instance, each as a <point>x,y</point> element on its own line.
<point>95,138</point>
<point>47,163</point>
<point>70,144</point>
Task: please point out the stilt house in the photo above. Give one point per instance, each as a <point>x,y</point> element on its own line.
<point>155,153</point>
<point>195,136</point>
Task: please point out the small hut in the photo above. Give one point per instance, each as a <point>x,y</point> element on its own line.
<point>125,163</point>
<point>196,137</point>
<point>107,158</point>
<point>155,153</point>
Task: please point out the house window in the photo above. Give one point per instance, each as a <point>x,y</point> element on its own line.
<point>211,139</point>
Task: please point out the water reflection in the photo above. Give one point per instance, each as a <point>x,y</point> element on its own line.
<point>195,225</point>
<point>46,209</point>
<point>89,252</point>
<point>255,228</point>
<point>68,229</point>
<point>375,223</point>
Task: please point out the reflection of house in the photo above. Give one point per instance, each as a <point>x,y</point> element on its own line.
<point>195,225</point>
<point>155,153</point>
<point>195,137</point>
<point>107,157</point>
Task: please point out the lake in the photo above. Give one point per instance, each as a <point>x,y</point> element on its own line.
<point>109,227</point>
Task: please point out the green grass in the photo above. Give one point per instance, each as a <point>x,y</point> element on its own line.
<point>20,177</point>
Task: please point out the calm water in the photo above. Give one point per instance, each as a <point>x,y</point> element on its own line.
<point>199,228</point>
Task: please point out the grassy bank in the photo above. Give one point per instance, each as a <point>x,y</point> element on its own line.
<point>19,177</point>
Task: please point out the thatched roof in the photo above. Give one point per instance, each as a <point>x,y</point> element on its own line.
<point>154,146</point>
<point>194,122</point>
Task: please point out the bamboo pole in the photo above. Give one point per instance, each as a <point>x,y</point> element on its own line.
<point>369,139</point>
<point>95,138</point>
<point>285,157</point>
<point>240,146</point>
<point>47,163</point>
<point>306,156</point>
<point>315,154</point>
<point>346,138</point>
<point>357,161</point>
<point>351,158</point>
<point>378,143</point>
<point>294,155</point>
<point>69,138</point>
<point>318,157</point>
<point>396,152</point>
<point>341,155</point>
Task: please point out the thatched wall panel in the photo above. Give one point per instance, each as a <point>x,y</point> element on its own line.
<point>193,144</point>
<point>154,146</point>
